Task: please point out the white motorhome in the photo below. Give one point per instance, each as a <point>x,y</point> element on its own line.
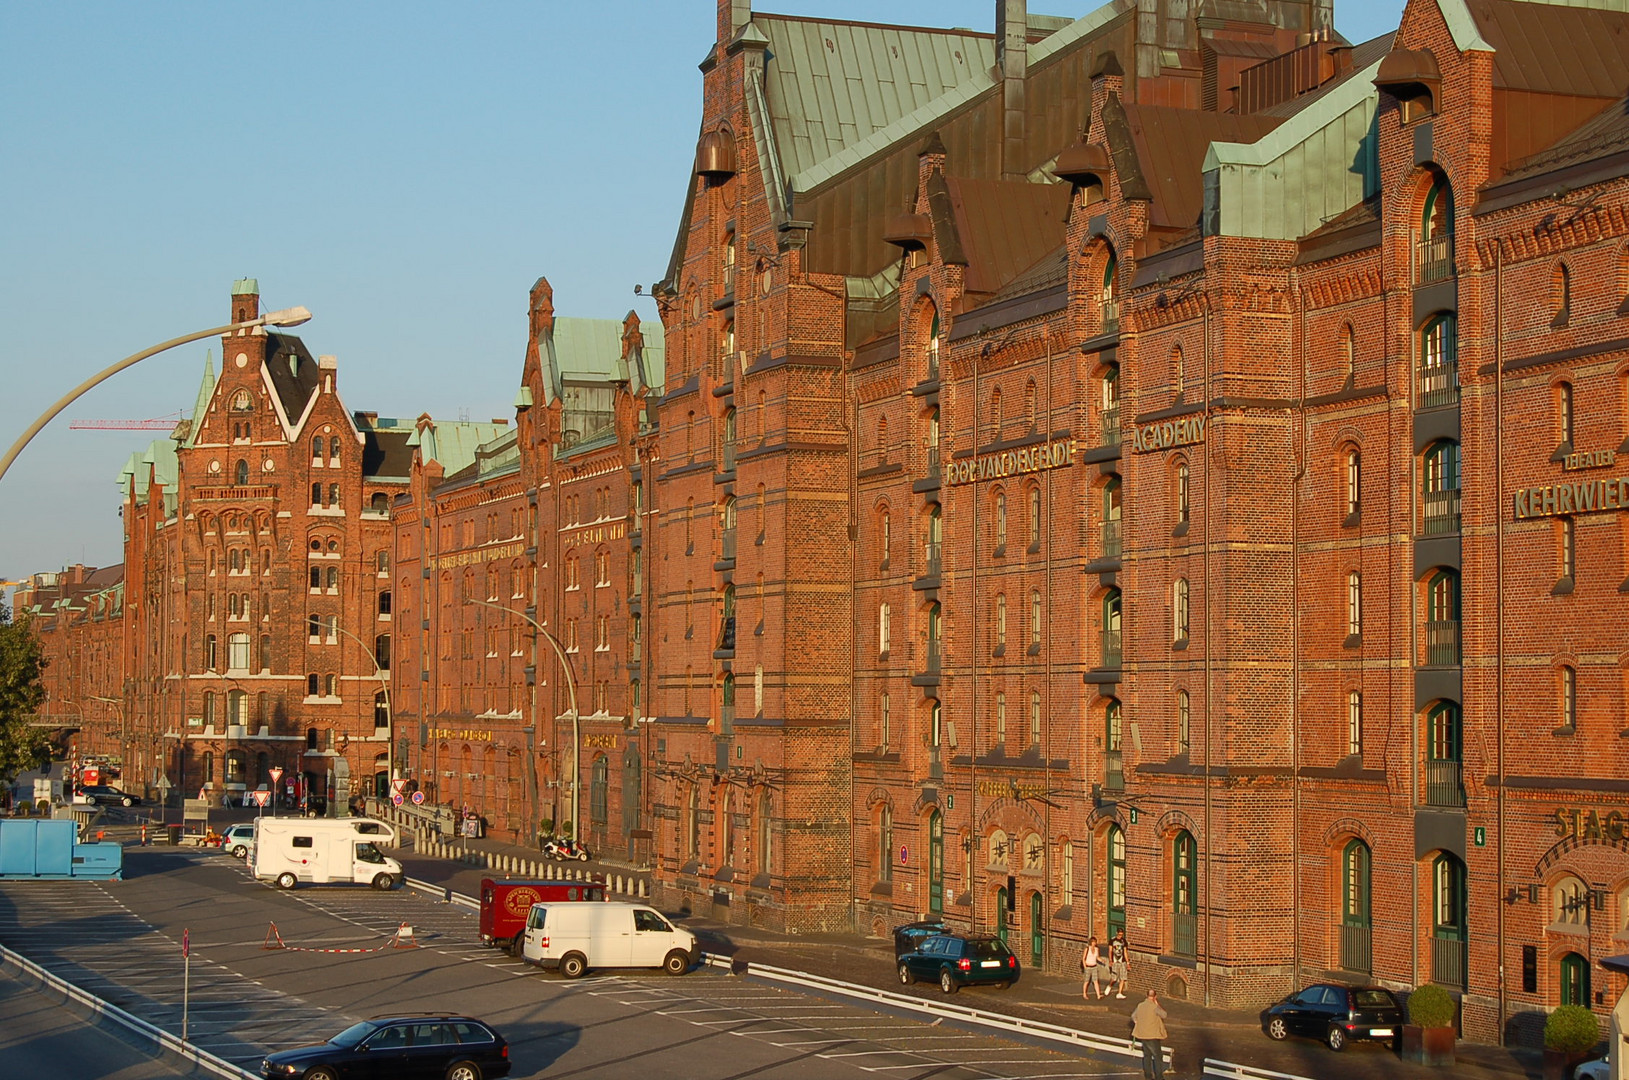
<point>321,850</point>
<point>575,937</point>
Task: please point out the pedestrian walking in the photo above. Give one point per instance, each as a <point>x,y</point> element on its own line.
<point>1091,964</point>
<point>1119,964</point>
<point>1148,1028</point>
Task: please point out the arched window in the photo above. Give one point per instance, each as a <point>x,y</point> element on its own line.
<point>206,766</point>
<point>381,650</point>
<point>1354,723</point>
<point>1444,785</point>
<point>1109,305</point>
<point>1111,518</point>
<point>237,652</point>
<point>1442,619</point>
<point>243,402</point>
<point>1034,496</point>
<point>1354,607</point>
<point>1356,953</point>
<point>1349,353</point>
<point>726,630</point>
<point>316,498</point>
<point>1031,406</point>
<point>935,733</point>
<point>1439,363</point>
<point>727,439</point>
<point>1035,620</point>
<point>1570,900</point>
<point>1000,718</point>
<point>384,602</point>
<point>1037,933</point>
<point>265,652</point>
<point>883,628</point>
<point>1035,718</point>
<point>1434,257</point>
<point>1184,894</point>
<point>331,578</point>
<point>333,496</point>
<point>765,837</point>
<point>1568,694</point>
<point>1111,629</point>
<point>1001,621</point>
<point>333,451</point>
<point>1001,519</point>
<point>885,722</point>
<point>379,503</point>
<point>1560,294</point>
<point>935,540</point>
<point>885,844</point>
<point>1440,488</point>
<point>242,472</point>
<point>885,536</point>
<point>330,686</point>
<point>936,863</point>
<point>726,526</point>
<point>598,791</point>
<point>1448,925</point>
<point>381,711</point>
<point>932,352</point>
<point>237,707</point>
<point>1182,497</point>
<point>316,450</point>
<point>1109,409</point>
<point>209,708</point>
<point>1574,980</point>
<point>995,414</point>
<point>726,716</point>
<point>1114,777</point>
<point>1066,873</point>
<point>1563,413</point>
<point>1354,484</point>
<point>1115,864</point>
<point>1184,717</point>
<point>1179,612</point>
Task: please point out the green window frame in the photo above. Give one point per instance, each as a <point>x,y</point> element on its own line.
<point>1115,846</point>
<point>936,863</point>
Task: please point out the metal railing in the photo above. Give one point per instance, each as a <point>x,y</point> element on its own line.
<point>1114,775</point>
<point>1111,648</point>
<point>1442,643</point>
<point>1357,947</point>
<point>1439,384</point>
<point>726,635</point>
<point>1447,961</point>
<point>726,540</point>
<point>1433,259</point>
<point>933,558</point>
<point>1111,538</point>
<point>1109,420</point>
<point>1444,783</point>
<point>932,664</point>
<point>1439,512</point>
<point>1185,934</point>
<point>729,455</point>
<point>1111,315</point>
<point>930,454</point>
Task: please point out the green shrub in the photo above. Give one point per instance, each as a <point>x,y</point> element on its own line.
<point>1431,1006</point>
<point>1571,1029</point>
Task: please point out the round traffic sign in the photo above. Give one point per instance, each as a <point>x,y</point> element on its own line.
<point>418,797</point>
<point>397,800</point>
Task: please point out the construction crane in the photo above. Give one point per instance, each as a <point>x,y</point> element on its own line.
<point>162,423</point>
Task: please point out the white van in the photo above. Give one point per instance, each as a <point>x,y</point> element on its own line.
<point>319,850</point>
<point>574,937</point>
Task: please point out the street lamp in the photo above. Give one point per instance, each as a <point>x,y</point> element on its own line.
<point>571,698</point>
<point>293,316</point>
<point>384,688</point>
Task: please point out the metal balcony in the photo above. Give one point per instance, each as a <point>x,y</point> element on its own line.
<point>1439,384</point>
<point>1442,643</point>
<point>1114,776</point>
<point>1185,934</point>
<point>1111,648</point>
<point>1111,315</point>
<point>1445,784</point>
<point>1448,962</point>
<point>729,455</point>
<point>1433,259</point>
<point>1357,947</point>
<point>726,543</point>
<point>1439,512</point>
<point>1109,422</point>
<point>1111,539</point>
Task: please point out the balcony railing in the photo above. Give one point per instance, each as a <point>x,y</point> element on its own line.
<point>1442,643</point>
<point>1444,784</point>
<point>1111,539</point>
<point>1439,512</point>
<point>1447,961</point>
<point>932,665</point>
<point>1357,949</point>
<point>726,718</point>
<point>1114,772</point>
<point>726,545</point>
<point>1109,420</point>
<point>726,636</point>
<point>1111,648</point>
<point>1433,259</point>
<point>933,558</point>
<point>1111,315</point>
<point>729,455</point>
<point>1439,384</point>
<point>1185,934</point>
<point>930,454</point>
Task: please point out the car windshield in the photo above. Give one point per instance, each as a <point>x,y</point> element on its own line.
<point>1375,999</point>
<point>986,948</point>
<point>354,1034</point>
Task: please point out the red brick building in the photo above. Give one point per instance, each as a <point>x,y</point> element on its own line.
<point>78,614</point>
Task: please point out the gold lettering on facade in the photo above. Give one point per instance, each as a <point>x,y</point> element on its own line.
<point>600,742</point>
<point>999,789</point>
<point>1581,497</point>
<point>461,734</point>
<point>1052,455</point>
<point>479,555</point>
<point>1582,824</point>
<point>1589,459</point>
<point>1170,434</point>
<point>597,534</point>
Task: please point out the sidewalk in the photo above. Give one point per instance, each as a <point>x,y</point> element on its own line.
<point>1197,1032</point>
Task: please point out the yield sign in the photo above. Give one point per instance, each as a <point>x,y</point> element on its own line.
<point>261,797</point>
<point>398,787</point>
<point>276,773</point>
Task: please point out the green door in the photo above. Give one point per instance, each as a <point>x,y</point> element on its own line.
<point>936,863</point>
<point>1001,914</point>
<point>1037,941</point>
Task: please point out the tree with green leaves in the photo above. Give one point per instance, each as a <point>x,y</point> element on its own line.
<point>22,662</point>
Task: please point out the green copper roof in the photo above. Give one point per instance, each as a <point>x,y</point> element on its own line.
<point>454,443</point>
<point>159,460</point>
<point>206,390</point>
<point>591,350</point>
<point>246,286</point>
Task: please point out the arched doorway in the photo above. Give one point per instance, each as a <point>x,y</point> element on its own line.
<point>1001,913</point>
<point>1574,982</point>
<point>936,863</point>
<point>1037,935</point>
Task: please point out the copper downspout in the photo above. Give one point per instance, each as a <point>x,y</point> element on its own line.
<point>1295,644</point>
<point>1499,618</point>
<point>1205,544</point>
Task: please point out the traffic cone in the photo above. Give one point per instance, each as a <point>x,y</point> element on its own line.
<point>273,936</point>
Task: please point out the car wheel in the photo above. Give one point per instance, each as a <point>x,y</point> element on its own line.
<point>240,852</point>
<point>463,1070</point>
<point>517,945</point>
<point>383,882</point>
<point>572,965</point>
<point>127,801</point>
<point>321,1073</point>
<point>286,880</point>
<point>1003,986</point>
<point>905,975</point>
<point>947,981</point>
<point>677,962</point>
<point>1336,1037</point>
<point>1277,1029</point>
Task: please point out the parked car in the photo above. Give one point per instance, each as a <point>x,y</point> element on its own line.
<point>1598,1069</point>
<point>103,795</point>
<point>909,936</point>
<point>1336,1014</point>
<point>239,839</point>
<point>573,937</point>
<point>455,1047</point>
<point>958,960</point>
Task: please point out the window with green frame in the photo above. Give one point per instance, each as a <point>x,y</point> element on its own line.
<point>1116,849</point>
<point>1574,981</point>
<point>1184,894</point>
<point>1037,935</point>
<point>1001,913</point>
<point>936,863</point>
<point>1356,928</point>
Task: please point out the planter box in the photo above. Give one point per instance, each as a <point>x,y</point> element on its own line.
<point>1428,1046</point>
<point>1558,1064</point>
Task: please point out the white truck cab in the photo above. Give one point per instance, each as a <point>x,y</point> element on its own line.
<point>575,937</point>
<point>324,850</point>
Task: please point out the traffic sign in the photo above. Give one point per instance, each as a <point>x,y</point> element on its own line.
<point>418,797</point>
<point>397,799</point>
<point>398,786</point>
<point>275,772</point>
<point>261,798</point>
<point>186,943</point>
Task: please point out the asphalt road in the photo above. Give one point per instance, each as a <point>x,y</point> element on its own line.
<point>120,940</point>
<point>40,1037</point>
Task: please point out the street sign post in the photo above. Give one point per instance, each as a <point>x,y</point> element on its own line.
<point>276,774</point>
<point>186,979</point>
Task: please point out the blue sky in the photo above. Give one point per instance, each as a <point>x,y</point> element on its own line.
<point>405,170</point>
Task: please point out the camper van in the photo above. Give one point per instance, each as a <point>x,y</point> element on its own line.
<point>324,850</point>
<point>575,937</point>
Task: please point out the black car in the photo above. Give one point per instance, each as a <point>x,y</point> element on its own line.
<point>958,960</point>
<point>1336,1014</point>
<point>404,1047</point>
<point>102,795</point>
<point>909,936</point>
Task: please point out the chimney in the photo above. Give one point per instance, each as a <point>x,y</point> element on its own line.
<point>1012,65</point>
<point>732,16</point>
<point>245,299</point>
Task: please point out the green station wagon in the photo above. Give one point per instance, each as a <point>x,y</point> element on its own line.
<point>958,960</point>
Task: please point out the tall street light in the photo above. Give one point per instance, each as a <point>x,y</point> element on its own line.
<point>571,698</point>
<point>390,713</point>
<point>293,316</point>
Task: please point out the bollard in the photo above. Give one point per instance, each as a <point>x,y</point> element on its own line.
<point>644,887</point>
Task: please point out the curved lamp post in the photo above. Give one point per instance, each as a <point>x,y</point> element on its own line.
<point>571,698</point>
<point>293,316</point>
<point>390,712</point>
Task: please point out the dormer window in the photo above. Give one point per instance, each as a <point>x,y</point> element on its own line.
<point>1413,78</point>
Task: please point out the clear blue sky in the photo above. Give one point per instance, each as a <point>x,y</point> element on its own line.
<point>405,170</point>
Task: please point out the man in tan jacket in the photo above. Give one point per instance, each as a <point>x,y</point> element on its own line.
<point>1148,1028</point>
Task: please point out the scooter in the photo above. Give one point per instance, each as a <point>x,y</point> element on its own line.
<point>571,849</point>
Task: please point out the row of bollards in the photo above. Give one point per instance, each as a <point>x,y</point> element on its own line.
<point>426,843</point>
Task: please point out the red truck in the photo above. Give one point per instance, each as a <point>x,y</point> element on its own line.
<point>505,904</point>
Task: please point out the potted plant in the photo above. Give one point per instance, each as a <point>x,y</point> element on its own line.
<point>1428,1037</point>
<point>1570,1033</point>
